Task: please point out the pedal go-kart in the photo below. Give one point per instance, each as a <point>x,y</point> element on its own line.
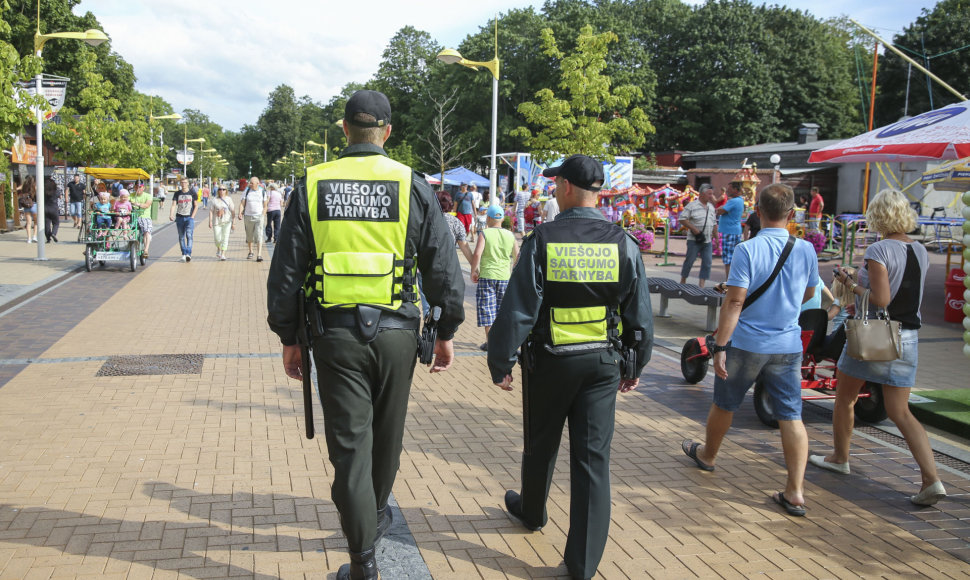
<point>820,354</point>
<point>103,242</point>
<point>109,244</point>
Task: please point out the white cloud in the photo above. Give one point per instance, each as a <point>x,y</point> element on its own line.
<point>223,57</point>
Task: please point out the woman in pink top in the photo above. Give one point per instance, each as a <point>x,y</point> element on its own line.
<point>274,213</point>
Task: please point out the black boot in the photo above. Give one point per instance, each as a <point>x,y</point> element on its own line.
<point>363,566</point>
<point>384,519</point>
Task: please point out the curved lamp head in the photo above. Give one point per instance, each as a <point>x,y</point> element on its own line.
<point>174,116</point>
<point>315,144</point>
<point>208,150</point>
<point>92,36</point>
<point>196,140</point>
<point>450,56</point>
<point>296,153</point>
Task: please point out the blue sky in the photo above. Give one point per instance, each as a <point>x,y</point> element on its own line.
<point>224,57</point>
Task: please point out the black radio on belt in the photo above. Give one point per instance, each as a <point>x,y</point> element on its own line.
<point>628,362</point>
<point>429,334</point>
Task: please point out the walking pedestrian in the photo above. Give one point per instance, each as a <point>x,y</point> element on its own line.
<point>52,214</point>
<point>576,301</point>
<point>758,334</point>
<point>893,275</point>
<point>701,225</point>
<point>28,205</point>
<point>465,207</point>
<point>221,221</point>
<point>274,213</point>
<point>252,210</point>
<point>491,266</point>
<point>75,199</point>
<point>521,200</point>
<point>352,232</point>
<point>141,204</point>
<point>184,207</point>
<point>729,225</point>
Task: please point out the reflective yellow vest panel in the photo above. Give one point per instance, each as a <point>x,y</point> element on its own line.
<point>359,216</point>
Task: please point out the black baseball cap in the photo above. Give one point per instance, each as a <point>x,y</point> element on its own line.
<point>372,103</point>
<point>580,170</point>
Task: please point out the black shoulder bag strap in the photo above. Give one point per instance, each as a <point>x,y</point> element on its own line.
<point>774,274</point>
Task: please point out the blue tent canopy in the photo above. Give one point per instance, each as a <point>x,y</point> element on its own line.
<point>460,175</point>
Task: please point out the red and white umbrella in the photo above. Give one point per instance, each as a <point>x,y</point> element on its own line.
<point>939,134</point>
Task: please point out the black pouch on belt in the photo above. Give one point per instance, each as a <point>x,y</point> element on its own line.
<point>368,322</point>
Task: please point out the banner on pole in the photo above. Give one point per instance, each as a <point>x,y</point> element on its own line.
<point>186,158</point>
<point>54,91</point>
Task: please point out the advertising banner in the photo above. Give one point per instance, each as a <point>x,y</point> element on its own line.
<point>54,90</point>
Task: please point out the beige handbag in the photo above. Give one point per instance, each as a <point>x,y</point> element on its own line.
<point>873,339</point>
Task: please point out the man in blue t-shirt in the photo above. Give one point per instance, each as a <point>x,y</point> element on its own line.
<point>764,340</point>
<point>465,207</point>
<point>729,225</point>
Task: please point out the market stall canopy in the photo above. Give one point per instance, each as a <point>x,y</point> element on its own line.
<point>940,134</point>
<point>951,176</point>
<point>459,175</point>
<point>432,180</point>
<point>115,173</point>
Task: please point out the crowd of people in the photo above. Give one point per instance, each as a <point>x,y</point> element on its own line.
<point>566,299</point>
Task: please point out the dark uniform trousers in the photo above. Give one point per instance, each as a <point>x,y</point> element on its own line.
<point>581,388</point>
<point>364,391</point>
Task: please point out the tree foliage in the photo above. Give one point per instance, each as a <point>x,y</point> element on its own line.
<point>15,104</point>
<point>594,118</point>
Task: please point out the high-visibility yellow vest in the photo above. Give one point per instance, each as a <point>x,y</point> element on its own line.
<point>358,210</point>
<point>580,261</point>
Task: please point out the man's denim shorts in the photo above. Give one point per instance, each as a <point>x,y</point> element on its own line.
<point>781,374</point>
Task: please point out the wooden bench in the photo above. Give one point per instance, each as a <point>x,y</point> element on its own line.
<point>690,293</point>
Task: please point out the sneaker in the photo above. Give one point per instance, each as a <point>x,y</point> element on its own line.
<point>30,241</point>
<point>188,258</point>
<point>223,258</point>
<point>250,256</point>
<point>259,258</point>
<point>144,255</point>
<point>183,258</point>
<point>53,237</point>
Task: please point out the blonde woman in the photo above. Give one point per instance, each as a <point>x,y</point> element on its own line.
<point>221,221</point>
<point>893,271</point>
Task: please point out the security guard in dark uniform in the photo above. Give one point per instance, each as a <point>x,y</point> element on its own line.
<point>351,238</point>
<point>579,306</point>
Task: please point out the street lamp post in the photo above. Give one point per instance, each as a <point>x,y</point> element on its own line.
<point>92,37</point>
<point>151,176</point>
<point>201,169</point>
<point>185,149</point>
<point>451,56</point>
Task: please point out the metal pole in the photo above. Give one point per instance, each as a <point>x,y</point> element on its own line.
<point>493,171</point>
<point>39,167</point>
<point>151,143</point>
<point>666,262</point>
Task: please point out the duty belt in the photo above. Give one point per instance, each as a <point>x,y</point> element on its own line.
<point>347,318</point>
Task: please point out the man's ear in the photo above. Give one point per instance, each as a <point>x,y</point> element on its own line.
<point>387,133</point>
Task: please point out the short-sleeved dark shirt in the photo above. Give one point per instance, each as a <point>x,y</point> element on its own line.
<point>75,192</point>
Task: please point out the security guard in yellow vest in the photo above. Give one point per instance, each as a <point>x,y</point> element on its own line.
<point>353,234</point>
<point>579,306</point>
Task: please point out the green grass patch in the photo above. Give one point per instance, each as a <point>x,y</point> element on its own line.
<point>949,410</point>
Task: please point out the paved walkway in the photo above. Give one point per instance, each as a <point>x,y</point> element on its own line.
<point>206,473</point>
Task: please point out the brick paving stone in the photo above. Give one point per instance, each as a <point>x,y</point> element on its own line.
<point>209,475</point>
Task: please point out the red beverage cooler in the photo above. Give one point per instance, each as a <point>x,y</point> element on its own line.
<point>953,298</point>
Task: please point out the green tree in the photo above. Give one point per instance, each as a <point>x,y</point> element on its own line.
<point>403,75</point>
<point>816,81</point>
<point>279,124</point>
<point>66,57</point>
<point>15,105</point>
<point>595,119</point>
<point>95,137</point>
<point>939,41</point>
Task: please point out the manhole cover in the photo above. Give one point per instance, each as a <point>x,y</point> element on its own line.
<point>152,364</point>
